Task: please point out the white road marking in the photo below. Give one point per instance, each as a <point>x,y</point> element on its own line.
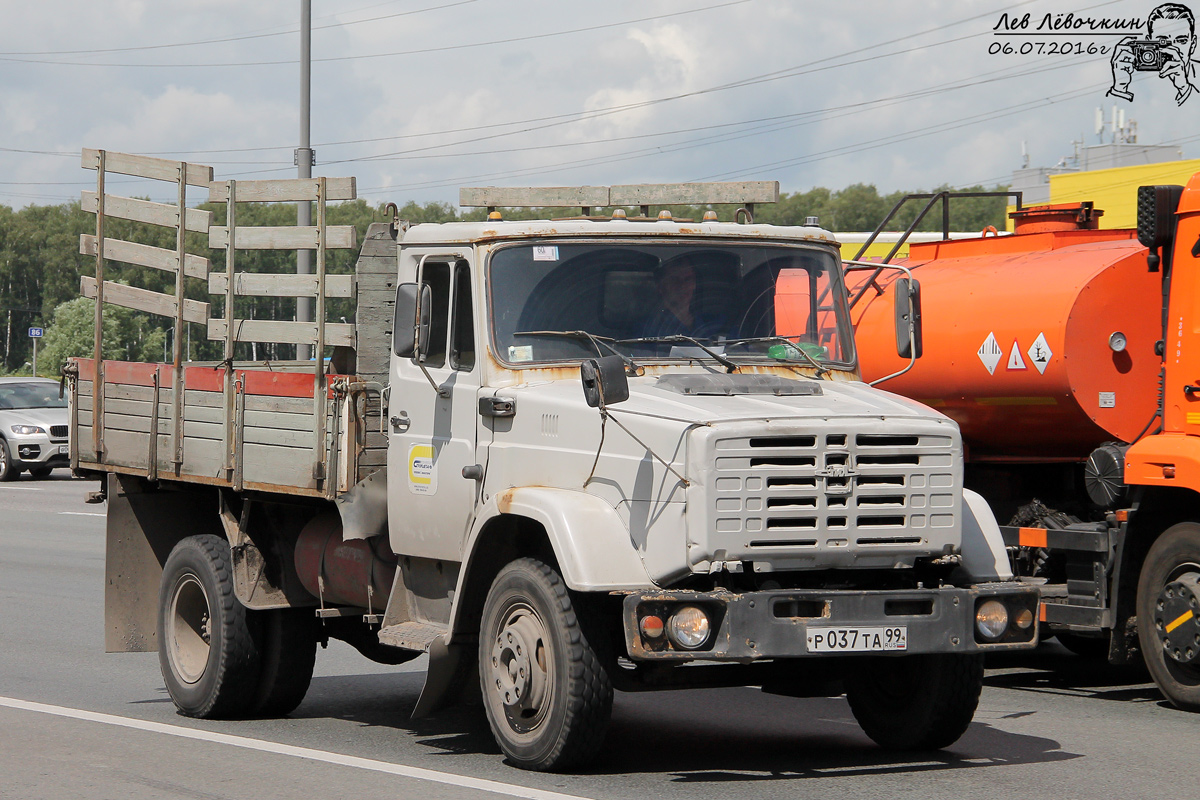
<point>26,488</point>
<point>82,513</point>
<point>434,776</point>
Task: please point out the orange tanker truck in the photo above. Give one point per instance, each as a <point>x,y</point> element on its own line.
<point>1070,358</point>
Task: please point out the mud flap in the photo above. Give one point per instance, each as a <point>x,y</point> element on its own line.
<point>451,678</point>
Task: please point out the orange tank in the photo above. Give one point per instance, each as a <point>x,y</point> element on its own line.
<point>1019,335</point>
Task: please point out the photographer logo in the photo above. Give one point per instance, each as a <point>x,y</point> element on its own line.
<point>1161,45</point>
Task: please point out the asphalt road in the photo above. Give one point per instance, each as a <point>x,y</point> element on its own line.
<point>76,722</point>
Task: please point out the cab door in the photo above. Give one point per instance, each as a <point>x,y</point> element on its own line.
<point>433,423</point>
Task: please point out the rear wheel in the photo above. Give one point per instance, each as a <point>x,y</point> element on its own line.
<point>8,470</point>
<point>207,653</point>
<point>918,702</point>
<point>547,694</point>
<point>287,640</point>
<point>1168,613</point>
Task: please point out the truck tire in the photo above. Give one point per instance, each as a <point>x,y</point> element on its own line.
<point>8,470</point>
<point>546,692</point>
<point>287,644</point>
<point>918,702</point>
<point>1173,561</point>
<point>207,653</point>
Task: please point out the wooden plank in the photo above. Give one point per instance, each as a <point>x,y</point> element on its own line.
<point>300,439</point>
<point>666,194</point>
<point>286,466</point>
<point>260,284</point>
<point>526,196</point>
<point>282,237</point>
<point>203,430</point>
<point>118,294</point>
<point>143,255</point>
<point>384,282</point>
<point>385,265</point>
<point>192,397</point>
<point>278,420</point>
<point>144,211</point>
<point>284,190</point>
<point>279,405</point>
<point>259,330</point>
<point>159,169</point>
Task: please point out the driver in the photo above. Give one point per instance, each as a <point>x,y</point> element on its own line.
<point>677,313</point>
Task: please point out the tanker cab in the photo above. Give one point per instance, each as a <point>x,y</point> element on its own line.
<point>906,304</point>
<point>1169,225</point>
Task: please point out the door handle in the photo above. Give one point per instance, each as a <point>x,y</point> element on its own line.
<point>400,422</point>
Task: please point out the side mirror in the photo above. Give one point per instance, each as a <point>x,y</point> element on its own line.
<point>604,381</point>
<point>907,297</point>
<point>408,338</point>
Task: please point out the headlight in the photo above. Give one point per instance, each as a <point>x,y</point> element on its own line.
<point>689,627</point>
<point>991,618</point>
<point>27,430</point>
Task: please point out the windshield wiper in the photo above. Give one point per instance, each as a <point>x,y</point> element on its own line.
<point>821,369</point>
<point>631,368</point>
<point>729,366</point>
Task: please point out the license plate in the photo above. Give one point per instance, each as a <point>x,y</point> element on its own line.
<point>857,640</point>
<point>63,449</point>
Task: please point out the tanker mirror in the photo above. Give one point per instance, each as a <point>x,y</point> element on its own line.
<point>907,298</point>
<point>409,339</point>
<point>1156,207</point>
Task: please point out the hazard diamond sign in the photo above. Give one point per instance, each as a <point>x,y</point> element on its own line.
<point>990,353</point>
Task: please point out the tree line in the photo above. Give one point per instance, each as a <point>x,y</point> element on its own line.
<point>40,266</point>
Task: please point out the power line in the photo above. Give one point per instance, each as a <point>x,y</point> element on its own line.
<point>361,56</point>
<point>245,37</point>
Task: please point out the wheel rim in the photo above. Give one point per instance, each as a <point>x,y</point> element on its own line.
<point>522,664</point>
<point>189,633</point>
<point>1171,627</point>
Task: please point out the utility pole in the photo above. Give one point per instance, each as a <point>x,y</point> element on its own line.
<point>304,164</point>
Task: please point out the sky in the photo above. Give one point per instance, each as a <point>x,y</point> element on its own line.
<point>417,98</point>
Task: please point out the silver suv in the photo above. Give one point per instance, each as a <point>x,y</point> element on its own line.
<point>33,427</point>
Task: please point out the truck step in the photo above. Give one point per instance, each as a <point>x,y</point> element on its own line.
<point>412,635</point>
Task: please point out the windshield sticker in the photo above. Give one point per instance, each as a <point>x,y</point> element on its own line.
<point>422,469</point>
<point>990,353</point>
<point>545,252</point>
<point>520,352</point>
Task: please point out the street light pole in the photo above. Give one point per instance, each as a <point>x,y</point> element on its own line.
<point>304,163</point>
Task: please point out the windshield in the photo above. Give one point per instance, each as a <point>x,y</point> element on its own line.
<point>669,300</point>
<point>30,395</point>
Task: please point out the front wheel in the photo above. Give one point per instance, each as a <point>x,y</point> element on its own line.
<point>918,702</point>
<point>1168,613</point>
<point>547,694</point>
<point>8,470</point>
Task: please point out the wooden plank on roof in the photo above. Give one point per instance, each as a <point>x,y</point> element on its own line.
<point>261,284</point>
<point>261,330</point>
<point>119,294</point>
<point>518,196</point>
<point>145,211</point>
<point>160,169</point>
<point>666,194</point>
<point>284,237</point>
<point>284,190</point>
<point>144,255</point>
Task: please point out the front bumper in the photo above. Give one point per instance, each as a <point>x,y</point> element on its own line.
<point>38,451</point>
<point>775,624</point>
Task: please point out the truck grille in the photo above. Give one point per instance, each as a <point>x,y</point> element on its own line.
<point>778,496</point>
<point>58,431</point>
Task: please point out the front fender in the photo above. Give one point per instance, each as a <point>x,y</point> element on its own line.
<point>983,555</point>
<point>590,541</point>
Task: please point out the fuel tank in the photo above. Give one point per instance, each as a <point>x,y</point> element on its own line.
<point>355,572</point>
<point>1040,344</point>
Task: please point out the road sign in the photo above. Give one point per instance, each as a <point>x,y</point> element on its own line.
<point>36,333</point>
